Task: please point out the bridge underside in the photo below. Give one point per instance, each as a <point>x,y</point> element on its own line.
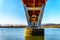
<point>34,11</point>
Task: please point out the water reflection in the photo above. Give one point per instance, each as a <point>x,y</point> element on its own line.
<point>18,34</point>
<point>34,37</point>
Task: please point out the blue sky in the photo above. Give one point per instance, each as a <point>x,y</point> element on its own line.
<point>12,12</point>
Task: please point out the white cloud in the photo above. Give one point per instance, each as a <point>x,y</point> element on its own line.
<point>51,20</point>
<point>13,21</point>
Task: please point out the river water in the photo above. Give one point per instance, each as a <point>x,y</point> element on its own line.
<point>18,34</point>
<point>52,34</point>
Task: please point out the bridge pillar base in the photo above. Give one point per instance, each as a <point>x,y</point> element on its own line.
<point>34,34</point>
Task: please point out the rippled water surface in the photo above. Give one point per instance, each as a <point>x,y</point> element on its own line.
<point>18,34</point>
<point>52,34</point>
<point>11,33</point>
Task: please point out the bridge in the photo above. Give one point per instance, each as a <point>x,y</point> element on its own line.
<point>34,12</point>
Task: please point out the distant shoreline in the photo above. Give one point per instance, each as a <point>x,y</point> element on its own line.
<point>24,26</point>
